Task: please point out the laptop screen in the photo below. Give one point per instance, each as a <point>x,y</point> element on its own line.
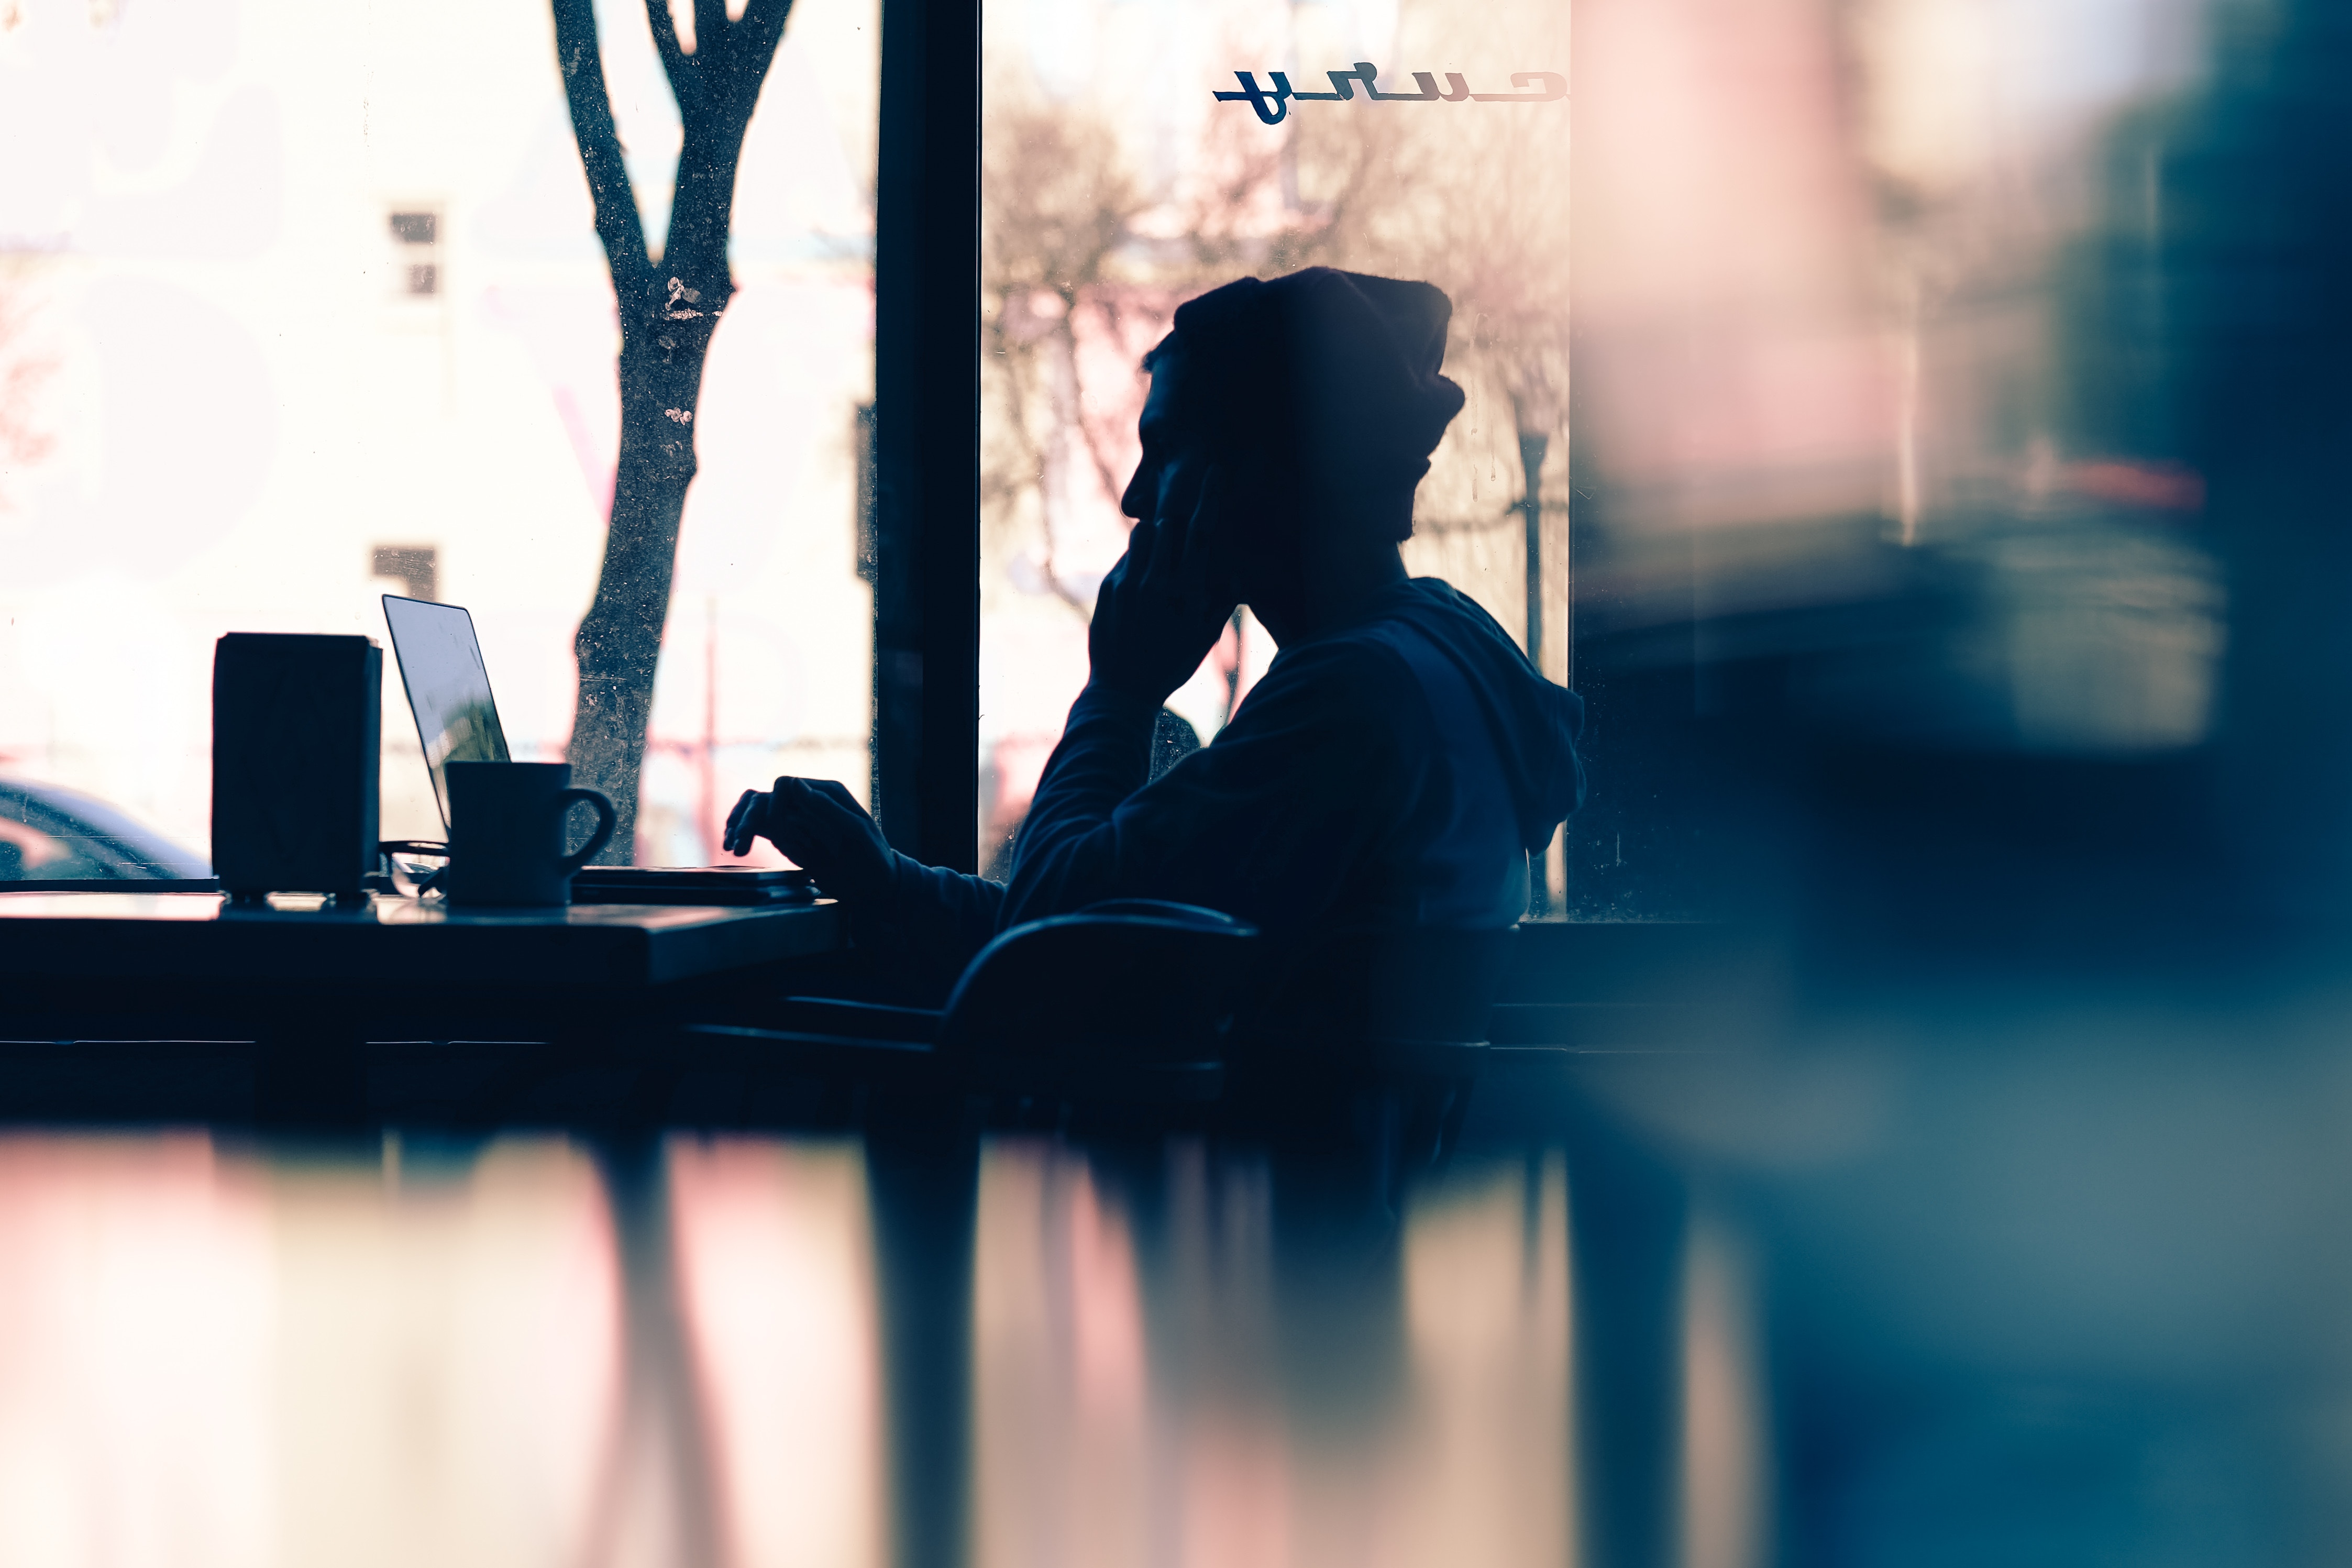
<point>448,687</point>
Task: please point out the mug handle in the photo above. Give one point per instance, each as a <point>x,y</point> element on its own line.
<point>606,820</point>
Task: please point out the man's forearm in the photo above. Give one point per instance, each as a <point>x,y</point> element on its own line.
<point>1066,851</point>
<point>943,914</point>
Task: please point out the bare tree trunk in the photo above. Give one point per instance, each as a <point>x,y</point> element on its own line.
<point>669,309</point>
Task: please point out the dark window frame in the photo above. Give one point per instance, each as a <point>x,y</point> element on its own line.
<point>927,433</point>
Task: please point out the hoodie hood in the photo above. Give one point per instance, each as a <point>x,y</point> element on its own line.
<point>1534,721</point>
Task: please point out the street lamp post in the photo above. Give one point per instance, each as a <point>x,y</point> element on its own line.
<point>1533,444</point>
<point>1535,415</point>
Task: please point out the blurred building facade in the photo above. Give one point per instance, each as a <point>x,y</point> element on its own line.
<point>303,305</point>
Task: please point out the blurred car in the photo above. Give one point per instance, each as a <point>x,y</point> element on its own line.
<point>53,834</point>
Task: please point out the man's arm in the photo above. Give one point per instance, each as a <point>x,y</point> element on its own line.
<point>1060,863</point>
<point>818,824</point>
<point>1264,823</point>
<point>937,911</point>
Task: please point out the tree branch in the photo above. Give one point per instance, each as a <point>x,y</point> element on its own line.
<point>751,43</point>
<point>617,227</point>
<point>735,56</point>
<point>683,69</point>
<point>711,41</point>
<point>1111,488</point>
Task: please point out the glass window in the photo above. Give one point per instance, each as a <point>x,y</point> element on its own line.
<point>1859,468</point>
<point>301,305</point>
<point>1117,184</point>
<point>1871,427</point>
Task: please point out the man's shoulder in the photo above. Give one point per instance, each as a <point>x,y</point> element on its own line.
<point>1360,663</point>
<point>1356,686</point>
<point>1410,618</point>
<point>1367,672</point>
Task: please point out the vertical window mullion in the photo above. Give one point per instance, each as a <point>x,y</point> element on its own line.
<point>927,432</point>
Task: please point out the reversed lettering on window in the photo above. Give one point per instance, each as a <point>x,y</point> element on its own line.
<point>1271,102</point>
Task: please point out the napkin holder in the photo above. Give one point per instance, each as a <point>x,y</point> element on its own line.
<point>297,724</point>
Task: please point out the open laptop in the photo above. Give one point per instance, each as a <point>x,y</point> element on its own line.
<point>448,691</point>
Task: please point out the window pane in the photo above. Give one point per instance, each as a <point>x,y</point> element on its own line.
<point>1883,343</point>
<point>1115,187</point>
<point>1861,473</point>
<point>302,304</point>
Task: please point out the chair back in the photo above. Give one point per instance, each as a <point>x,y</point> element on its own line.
<point>1130,980</point>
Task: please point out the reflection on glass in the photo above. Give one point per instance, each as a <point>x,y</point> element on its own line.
<point>775,1263</point>
<point>440,1355</point>
<point>1198,1359</point>
<point>528,1351</point>
<point>211,1358</point>
<point>1727,1480</point>
<point>142,1332</point>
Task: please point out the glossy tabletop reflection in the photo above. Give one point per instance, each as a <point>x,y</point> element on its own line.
<point>2057,1278</point>
<point>532,1351</point>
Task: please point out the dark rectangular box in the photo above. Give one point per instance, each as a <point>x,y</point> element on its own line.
<point>295,724</point>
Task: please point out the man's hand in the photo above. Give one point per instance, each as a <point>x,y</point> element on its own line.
<point>1165,604</point>
<point>820,826</point>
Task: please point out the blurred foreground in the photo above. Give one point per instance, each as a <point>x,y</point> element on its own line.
<point>2026,1274</point>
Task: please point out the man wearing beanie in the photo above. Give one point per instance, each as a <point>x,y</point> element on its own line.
<point>1400,760</point>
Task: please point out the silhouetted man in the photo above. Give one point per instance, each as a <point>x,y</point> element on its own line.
<point>1400,760</point>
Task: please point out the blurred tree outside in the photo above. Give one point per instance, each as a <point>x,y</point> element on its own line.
<point>1498,244</point>
<point>1074,244</point>
<point>669,304</point>
<point>1079,248</point>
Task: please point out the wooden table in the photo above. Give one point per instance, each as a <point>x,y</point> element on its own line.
<point>311,984</point>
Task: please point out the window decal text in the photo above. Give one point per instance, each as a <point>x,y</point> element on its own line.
<point>1271,102</point>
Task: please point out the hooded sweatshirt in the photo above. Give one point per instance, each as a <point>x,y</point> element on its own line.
<point>1396,773</point>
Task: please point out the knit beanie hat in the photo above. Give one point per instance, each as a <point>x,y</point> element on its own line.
<point>1331,375</point>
